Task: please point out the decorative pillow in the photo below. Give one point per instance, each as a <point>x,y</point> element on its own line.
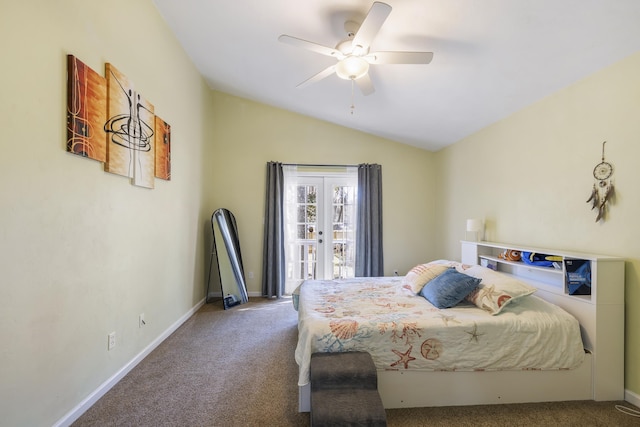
<point>449,288</point>
<point>421,274</point>
<point>496,290</point>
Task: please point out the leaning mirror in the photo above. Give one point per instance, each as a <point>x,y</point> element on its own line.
<point>225,265</point>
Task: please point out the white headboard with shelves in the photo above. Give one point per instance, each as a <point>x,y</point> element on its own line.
<point>601,313</point>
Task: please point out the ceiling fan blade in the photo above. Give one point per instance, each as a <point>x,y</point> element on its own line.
<point>371,25</point>
<point>399,57</point>
<point>315,47</point>
<point>321,75</point>
<point>365,85</point>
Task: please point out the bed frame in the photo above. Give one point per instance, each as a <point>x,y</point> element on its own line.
<point>601,317</point>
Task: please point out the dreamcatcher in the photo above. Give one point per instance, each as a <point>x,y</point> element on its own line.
<point>603,189</point>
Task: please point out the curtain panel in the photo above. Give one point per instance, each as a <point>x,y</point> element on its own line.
<point>369,257</point>
<point>273,261</point>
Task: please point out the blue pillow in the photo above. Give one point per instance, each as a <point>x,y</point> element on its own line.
<point>449,288</point>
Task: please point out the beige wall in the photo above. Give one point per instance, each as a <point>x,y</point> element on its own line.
<point>247,135</point>
<point>530,175</point>
<point>83,252</point>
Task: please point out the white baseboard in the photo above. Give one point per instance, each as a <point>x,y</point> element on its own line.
<point>632,398</point>
<point>90,400</point>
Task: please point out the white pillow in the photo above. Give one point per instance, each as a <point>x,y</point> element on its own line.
<point>420,275</point>
<point>496,290</point>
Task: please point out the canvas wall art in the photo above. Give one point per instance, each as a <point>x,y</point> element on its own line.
<point>163,149</point>
<point>130,129</point>
<point>86,110</point>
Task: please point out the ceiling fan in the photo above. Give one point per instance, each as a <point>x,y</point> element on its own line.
<point>353,54</point>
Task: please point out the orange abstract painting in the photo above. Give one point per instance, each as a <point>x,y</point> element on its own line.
<point>86,110</point>
<point>163,149</point>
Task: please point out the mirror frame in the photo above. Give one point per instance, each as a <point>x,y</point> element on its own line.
<point>234,291</point>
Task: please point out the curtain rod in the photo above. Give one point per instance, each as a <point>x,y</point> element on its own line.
<point>318,165</point>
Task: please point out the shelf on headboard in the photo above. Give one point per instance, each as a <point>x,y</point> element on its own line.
<point>521,264</point>
<point>555,279</point>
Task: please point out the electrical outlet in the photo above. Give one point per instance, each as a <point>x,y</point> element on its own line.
<point>141,321</point>
<point>111,340</point>
<point>250,275</point>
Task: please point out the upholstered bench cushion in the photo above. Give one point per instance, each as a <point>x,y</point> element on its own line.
<point>344,390</point>
<point>354,369</point>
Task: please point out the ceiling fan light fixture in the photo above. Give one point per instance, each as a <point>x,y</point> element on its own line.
<point>352,67</point>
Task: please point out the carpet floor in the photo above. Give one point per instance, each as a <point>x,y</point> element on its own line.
<point>237,368</point>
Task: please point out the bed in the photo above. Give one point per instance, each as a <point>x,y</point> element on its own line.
<point>520,349</point>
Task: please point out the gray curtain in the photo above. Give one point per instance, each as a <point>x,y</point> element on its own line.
<point>369,259</point>
<point>273,263</point>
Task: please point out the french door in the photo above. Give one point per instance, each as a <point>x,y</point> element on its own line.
<point>320,221</point>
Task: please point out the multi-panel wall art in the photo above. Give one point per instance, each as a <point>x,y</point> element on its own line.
<point>110,121</point>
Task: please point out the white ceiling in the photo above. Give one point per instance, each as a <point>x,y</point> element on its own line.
<point>491,57</point>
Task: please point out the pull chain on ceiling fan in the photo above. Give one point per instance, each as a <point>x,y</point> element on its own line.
<point>353,54</point>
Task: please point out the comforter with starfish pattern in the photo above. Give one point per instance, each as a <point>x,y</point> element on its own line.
<point>403,331</point>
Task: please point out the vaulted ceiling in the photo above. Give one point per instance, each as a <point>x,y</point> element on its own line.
<point>491,57</point>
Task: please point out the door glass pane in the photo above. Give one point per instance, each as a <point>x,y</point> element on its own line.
<point>300,191</point>
<point>311,262</point>
<point>304,243</point>
<point>310,232</point>
<point>343,257</point>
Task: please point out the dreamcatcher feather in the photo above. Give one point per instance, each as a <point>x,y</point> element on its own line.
<point>603,189</point>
